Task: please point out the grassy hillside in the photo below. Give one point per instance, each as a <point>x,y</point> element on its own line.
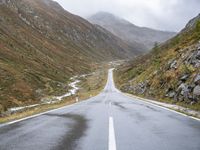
<point>42,46</point>
<point>170,73</point>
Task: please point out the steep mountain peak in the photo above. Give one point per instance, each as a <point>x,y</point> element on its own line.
<point>143,37</point>
<point>103,17</point>
<point>103,14</point>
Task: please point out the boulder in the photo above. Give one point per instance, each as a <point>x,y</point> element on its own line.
<point>170,93</point>
<point>198,55</point>
<point>181,87</point>
<point>182,92</point>
<point>196,90</point>
<point>196,93</point>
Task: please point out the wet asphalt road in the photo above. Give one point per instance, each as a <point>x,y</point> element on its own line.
<point>108,121</point>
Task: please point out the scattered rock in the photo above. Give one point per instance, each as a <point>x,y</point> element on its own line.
<point>173,64</point>
<point>140,88</point>
<point>197,79</point>
<point>127,88</point>
<point>39,92</point>
<point>188,89</point>
<point>194,58</point>
<point>184,77</point>
<point>171,94</point>
<point>155,72</point>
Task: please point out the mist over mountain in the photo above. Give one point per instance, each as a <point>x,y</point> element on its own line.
<point>144,37</point>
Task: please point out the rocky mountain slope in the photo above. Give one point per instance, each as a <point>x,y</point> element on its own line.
<point>42,46</point>
<point>170,73</point>
<point>140,37</point>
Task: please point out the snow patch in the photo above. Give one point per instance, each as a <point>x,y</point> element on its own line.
<point>24,19</point>
<point>15,109</point>
<point>71,92</point>
<point>53,99</point>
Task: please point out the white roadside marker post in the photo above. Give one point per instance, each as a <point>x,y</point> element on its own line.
<point>76,99</point>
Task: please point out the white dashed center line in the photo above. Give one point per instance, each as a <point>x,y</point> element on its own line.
<point>112,142</point>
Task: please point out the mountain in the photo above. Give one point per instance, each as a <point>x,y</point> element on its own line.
<point>170,72</point>
<point>144,38</point>
<point>42,46</point>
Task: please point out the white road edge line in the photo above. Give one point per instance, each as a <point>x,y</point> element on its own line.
<point>156,105</point>
<point>110,104</point>
<point>32,116</point>
<point>112,141</point>
<point>39,114</point>
<point>146,101</point>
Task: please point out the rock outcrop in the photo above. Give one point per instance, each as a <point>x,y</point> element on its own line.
<point>171,72</point>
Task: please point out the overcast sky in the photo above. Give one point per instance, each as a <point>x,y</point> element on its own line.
<point>169,15</point>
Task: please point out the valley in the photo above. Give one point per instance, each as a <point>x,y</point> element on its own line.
<point>42,46</point>
<point>99,75</point>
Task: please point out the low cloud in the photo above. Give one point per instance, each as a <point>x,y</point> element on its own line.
<point>159,14</point>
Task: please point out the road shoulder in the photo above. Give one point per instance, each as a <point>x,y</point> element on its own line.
<point>171,107</point>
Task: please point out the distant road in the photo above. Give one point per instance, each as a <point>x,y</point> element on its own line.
<point>109,121</point>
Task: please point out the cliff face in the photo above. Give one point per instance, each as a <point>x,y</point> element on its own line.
<point>171,72</point>
<point>42,46</point>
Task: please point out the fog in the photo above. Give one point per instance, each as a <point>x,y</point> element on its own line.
<point>169,15</point>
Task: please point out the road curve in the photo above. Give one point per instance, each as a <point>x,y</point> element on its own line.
<point>109,121</point>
